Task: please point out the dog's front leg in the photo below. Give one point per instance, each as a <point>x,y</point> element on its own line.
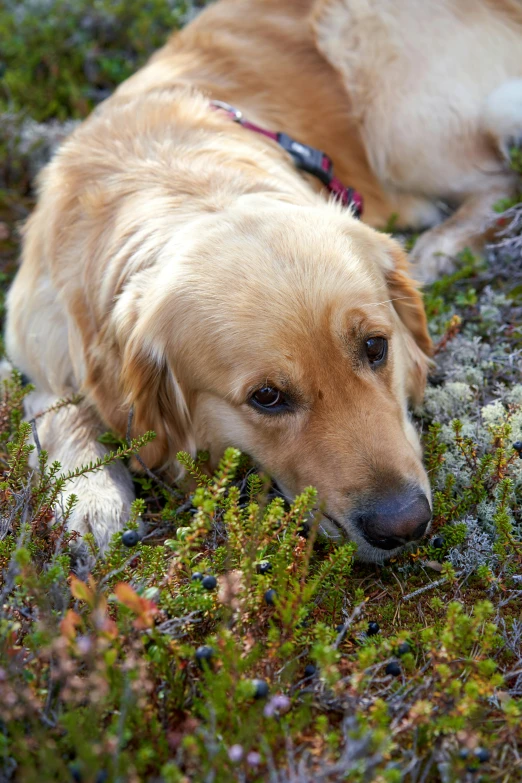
<point>70,436</point>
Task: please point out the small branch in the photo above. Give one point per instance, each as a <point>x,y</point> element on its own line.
<point>110,457</point>
<point>36,439</point>
<point>147,470</point>
<point>62,403</point>
<point>424,589</point>
<point>347,623</point>
<point>514,673</point>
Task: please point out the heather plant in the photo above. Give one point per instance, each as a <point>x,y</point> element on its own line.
<point>292,656</point>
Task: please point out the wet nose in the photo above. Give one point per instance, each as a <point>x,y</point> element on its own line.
<point>395,519</point>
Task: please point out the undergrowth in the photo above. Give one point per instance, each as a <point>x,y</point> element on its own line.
<point>242,648</point>
<point>60,57</point>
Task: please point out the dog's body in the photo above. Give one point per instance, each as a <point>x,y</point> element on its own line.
<point>179,264</point>
<point>416,103</point>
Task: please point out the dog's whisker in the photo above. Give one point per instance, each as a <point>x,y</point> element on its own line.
<point>386,301</point>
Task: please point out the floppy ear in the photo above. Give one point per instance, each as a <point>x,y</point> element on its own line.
<point>158,402</point>
<point>407,301</point>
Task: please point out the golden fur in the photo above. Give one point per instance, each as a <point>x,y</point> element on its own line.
<point>176,262</point>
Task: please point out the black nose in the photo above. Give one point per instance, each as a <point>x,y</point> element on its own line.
<point>395,519</point>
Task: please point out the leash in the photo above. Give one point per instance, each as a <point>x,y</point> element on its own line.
<point>306,158</point>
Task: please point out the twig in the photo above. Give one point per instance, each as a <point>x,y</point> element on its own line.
<point>347,623</point>
<point>62,403</point>
<point>431,585</point>
<point>514,673</point>
<point>36,439</point>
<point>147,470</point>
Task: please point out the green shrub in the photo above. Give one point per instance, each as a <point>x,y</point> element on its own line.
<point>59,57</point>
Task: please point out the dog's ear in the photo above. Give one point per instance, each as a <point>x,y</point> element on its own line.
<point>407,301</point>
<point>157,399</point>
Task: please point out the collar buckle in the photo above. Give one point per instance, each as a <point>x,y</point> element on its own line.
<point>308,159</point>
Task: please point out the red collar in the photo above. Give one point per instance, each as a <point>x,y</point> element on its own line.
<point>305,158</point>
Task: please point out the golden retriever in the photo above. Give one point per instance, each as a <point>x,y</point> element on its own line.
<point>178,264</point>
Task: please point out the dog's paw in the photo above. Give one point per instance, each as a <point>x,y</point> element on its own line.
<point>103,505</point>
<point>435,254</point>
<point>502,116</point>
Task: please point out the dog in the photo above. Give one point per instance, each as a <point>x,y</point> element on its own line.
<point>179,266</point>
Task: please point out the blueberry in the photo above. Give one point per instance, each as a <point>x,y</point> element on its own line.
<point>130,538</point>
<point>310,670</point>
<point>304,530</point>
<point>463,754</point>
<point>209,582</point>
<point>261,689</point>
<point>393,668</point>
<point>481,754</point>
<point>270,597</point>
<point>197,576</point>
<point>517,445</point>
<point>438,542</point>
<point>403,648</point>
<point>204,653</point>
<point>373,628</point>
<point>264,568</point>
<point>340,629</point>
<point>76,773</point>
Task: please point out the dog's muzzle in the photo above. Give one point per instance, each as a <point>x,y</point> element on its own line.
<point>394,520</point>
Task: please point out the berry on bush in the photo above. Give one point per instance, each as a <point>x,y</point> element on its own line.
<point>209,582</point>
<point>204,653</point>
<point>373,628</point>
<point>438,542</point>
<point>197,576</point>
<point>130,538</point>
<point>264,568</point>
<point>76,773</point>
<point>393,668</point>
<point>310,670</point>
<point>261,689</point>
<point>403,648</point>
<point>481,754</point>
<point>270,597</point>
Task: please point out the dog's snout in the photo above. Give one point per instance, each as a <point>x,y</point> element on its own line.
<point>395,520</point>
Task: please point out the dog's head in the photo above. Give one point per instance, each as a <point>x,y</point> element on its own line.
<point>296,335</point>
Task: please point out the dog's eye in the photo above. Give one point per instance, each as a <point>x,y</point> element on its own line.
<point>269,399</point>
<point>376,350</point>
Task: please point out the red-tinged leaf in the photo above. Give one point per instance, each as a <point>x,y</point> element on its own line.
<point>144,609</point>
<point>127,596</point>
<point>69,624</point>
<point>146,618</point>
<point>101,604</point>
<point>109,629</point>
<point>81,591</point>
